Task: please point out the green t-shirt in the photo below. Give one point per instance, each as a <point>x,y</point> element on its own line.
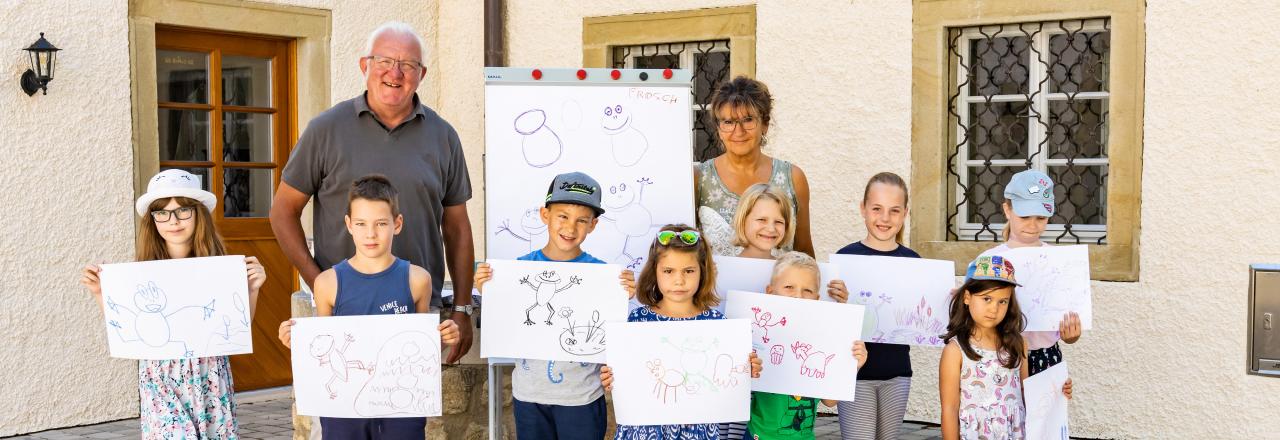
<point>781,416</point>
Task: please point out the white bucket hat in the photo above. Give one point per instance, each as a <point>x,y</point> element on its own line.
<point>175,183</point>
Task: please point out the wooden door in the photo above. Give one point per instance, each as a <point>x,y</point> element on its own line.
<point>225,114</point>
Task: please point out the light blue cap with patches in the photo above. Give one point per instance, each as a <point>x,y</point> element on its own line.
<point>1031,194</point>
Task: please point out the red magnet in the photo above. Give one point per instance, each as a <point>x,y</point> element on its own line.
<point>537,73</point>
<point>666,73</point>
<point>615,74</point>
<point>582,74</point>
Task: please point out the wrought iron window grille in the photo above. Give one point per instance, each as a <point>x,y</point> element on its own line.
<point>709,61</point>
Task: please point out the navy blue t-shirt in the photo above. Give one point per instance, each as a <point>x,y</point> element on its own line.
<point>884,361</point>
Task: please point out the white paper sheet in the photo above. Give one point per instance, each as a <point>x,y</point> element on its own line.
<point>679,372</point>
<point>906,298</point>
<point>178,308</point>
<point>806,345</point>
<point>637,147</point>
<point>1055,280</point>
<point>550,311</point>
<point>1046,405</point>
<point>367,366</point>
<point>753,274</point>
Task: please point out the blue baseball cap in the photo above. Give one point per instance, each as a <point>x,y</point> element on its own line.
<point>575,188</point>
<point>1031,194</point>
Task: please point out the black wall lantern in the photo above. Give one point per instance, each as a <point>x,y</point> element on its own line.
<point>41,56</point>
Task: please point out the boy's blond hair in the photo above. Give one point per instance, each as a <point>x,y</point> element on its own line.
<point>749,198</point>
<point>798,260</point>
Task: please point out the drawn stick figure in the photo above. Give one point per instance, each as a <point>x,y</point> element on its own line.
<point>150,322</point>
<point>323,349</point>
<point>546,289</point>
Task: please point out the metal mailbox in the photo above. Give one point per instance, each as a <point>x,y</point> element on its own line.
<point>1264,320</point>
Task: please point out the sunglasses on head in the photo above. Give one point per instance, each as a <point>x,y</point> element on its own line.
<point>688,237</point>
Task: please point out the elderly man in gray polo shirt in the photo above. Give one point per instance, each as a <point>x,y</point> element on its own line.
<point>385,130</point>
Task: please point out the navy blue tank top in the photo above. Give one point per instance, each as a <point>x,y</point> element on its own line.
<point>382,293</point>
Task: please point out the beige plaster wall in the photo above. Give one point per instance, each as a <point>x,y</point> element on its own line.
<point>67,200</point>
<point>1166,359</point>
<point>54,365</point>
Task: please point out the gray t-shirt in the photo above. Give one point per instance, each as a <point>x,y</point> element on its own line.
<point>422,157</point>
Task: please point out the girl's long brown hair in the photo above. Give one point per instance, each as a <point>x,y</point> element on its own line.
<point>647,285</point>
<point>205,241</point>
<point>1010,329</point>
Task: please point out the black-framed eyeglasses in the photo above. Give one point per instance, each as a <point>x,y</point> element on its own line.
<point>164,215</point>
<point>747,123</point>
<point>689,237</point>
<point>407,67</point>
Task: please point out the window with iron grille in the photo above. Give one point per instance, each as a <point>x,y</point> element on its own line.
<point>1029,95</point>
<point>709,61</point>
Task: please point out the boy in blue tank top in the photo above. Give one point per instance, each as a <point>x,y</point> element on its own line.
<point>373,282</point>
<point>562,400</point>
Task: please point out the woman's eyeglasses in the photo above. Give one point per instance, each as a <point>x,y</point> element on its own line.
<point>688,237</point>
<point>164,215</point>
<point>727,125</point>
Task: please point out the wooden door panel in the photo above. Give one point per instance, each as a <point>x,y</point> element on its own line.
<point>200,63</point>
<point>268,365</point>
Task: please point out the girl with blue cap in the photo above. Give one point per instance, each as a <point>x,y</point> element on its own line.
<point>1028,205</point>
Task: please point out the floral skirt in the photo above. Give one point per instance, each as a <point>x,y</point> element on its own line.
<point>187,399</point>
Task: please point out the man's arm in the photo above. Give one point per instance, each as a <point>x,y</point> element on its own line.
<point>286,223</point>
<point>460,256</point>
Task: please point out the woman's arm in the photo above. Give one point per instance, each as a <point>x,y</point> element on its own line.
<point>804,240</point>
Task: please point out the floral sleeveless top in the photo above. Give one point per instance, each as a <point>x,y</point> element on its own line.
<point>716,204</point>
<point>991,405</point>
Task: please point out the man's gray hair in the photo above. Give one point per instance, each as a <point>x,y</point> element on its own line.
<point>397,28</point>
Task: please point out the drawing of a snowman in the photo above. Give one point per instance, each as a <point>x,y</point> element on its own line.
<point>629,144</point>
<point>540,144</point>
<point>623,208</point>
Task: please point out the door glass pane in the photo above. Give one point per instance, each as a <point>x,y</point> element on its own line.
<point>246,137</point>
<point>182,76</point>
<point>202,173</point>
<point>184,135</point>
<point>247,192</point>
<point>246,81</point>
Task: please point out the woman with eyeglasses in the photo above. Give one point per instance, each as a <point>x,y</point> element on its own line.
<point>743,111</point>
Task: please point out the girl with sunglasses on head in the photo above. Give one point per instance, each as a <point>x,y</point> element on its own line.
<point>186,397</point>
<point>676,284</point>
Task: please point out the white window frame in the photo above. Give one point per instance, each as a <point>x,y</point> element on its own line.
<point>1037,71</point>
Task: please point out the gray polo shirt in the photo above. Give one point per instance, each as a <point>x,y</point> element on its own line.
<point>422,157</point>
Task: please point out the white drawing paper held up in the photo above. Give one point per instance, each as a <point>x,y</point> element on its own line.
<point>806,345</point>
<point>625,133</point>
<point>177,308</point>
<point>906,298</point>
<point>1046,405</point>
<point>1055,280</point>
<point>550,311</point>
<point>753,274</point>
<point>680,372</point>
<point>367,366</point>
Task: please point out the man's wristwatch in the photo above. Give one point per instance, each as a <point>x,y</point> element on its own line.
<point>467,309</point>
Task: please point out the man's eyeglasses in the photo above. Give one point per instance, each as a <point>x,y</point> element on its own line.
<point>407,67</point>
<point>747,123</point>
<point>164,215</point>
<point>688,237</point>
